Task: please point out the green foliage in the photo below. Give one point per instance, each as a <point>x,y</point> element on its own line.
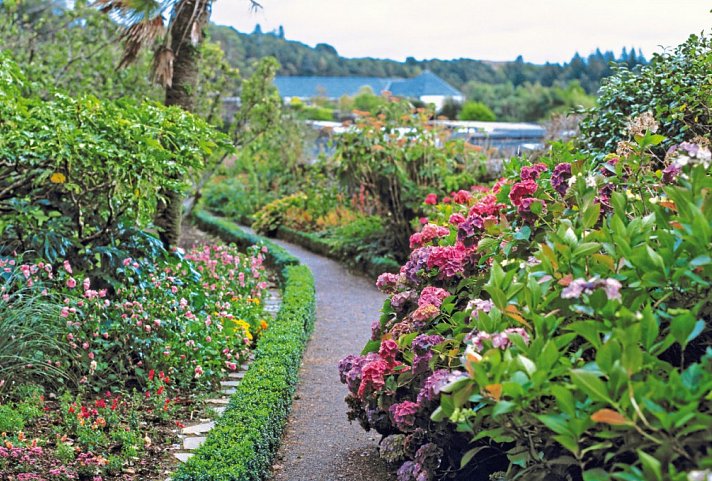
<point>529,102</point>
<point>243,443</point>
<point>676,88</point>
<point>298,59</point>
<point>476,111</point>
<point>557,330</point>
<point>396,159</point>
<point>30,324</point>
<point>74,170</point>
<point>276,256</point>
<point>73,49</point>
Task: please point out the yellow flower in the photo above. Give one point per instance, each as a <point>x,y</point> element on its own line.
<point>58,178</point>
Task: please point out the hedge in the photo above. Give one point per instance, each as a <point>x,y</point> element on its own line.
<point>372,266</point>
<point>242,445</point>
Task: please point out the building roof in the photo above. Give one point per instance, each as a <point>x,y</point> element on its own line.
<point>427,83</point>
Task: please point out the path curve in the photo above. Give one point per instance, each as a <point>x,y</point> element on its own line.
<point>319,443</point>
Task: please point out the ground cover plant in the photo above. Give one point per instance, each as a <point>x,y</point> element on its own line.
<point>126,366</point>
<point>552,326</point>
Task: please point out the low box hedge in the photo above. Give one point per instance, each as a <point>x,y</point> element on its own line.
<point>371,266</point>
<point>242,444</point>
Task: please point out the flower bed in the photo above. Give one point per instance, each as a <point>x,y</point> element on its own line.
<point>553,326</point>
<point>99,392</point>
<point>243,443</point>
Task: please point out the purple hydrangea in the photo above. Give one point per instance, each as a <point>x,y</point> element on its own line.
<point>392,448</point>
<point>421,347</point>
<point>467,230</point>
<point>403,415</point>
<point>418,261</point>
<point>560,178</point>
<point>436,381</point>
<point>577,287</point>
<point>533,172</point>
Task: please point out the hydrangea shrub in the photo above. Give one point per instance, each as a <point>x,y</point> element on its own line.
<point>553,326</point>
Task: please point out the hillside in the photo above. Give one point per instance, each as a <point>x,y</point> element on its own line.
<point>296,58</point>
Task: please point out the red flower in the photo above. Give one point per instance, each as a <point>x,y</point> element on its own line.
<point>522,189</point>
<point>431,199</point>
<point>151,374</point>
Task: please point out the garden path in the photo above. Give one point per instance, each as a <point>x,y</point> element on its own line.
<point>319,443</point>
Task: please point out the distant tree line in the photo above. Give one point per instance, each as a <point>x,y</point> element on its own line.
<point>298,59</point>
<point>509,91</point>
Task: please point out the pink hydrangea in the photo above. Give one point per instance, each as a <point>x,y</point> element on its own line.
<point>521,190</point>
<point>533,172</point>
<point>425,313</point>
<point>431,199</point>
<point>388,352</point>
<point>449,260</point>
<point>433,296</point>
<point>456,219</point>
<point>431,232</point>
<point>387,282</point>
<point>487,206</point>
<point>461,197</point>
<point>404,415</point>
<point>373,377</point>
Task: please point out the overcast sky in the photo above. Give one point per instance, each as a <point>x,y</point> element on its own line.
<point>540,30</point>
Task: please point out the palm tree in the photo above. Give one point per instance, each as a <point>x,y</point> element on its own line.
<point>179,24</point>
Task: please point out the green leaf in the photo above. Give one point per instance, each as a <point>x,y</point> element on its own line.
<point>596,474</point>
<point>589,383</point>
<point>651,466</point>
<point>591,215</point>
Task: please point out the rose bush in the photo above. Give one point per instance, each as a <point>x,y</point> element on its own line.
<point>553,326</point>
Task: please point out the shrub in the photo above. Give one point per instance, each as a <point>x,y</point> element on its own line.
<point>551,327</point>
<point>243,443</point>
<point>476,111</point>
<point>77,172</point>
<point>395,159</point>
<point>193,317</point>
<point>674,88</point>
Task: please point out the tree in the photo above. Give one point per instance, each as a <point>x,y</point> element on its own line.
<point>476,111</point>
<point>175,66</point>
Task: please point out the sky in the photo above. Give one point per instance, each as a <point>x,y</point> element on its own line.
<point>539,30</point>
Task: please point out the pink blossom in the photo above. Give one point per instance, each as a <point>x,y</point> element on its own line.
<point>71,283</point>
<point>520,190</point>
<point>425,313</point>
<point>67,266</point>
<point>461,197</point>
<point>431,199</point>
<point>404,414</point>
<point>456,219</point>
<point>449,260</point>
<point>433,296</point>
<point>533,172</point>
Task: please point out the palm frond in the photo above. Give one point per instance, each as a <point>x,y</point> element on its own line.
<point>163,66</point>
<point>139,35</point>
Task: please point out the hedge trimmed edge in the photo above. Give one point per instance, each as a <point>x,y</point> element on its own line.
<point>371,266</point>
<point>242,445</point>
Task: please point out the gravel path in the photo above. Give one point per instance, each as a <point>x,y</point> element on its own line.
<point>319,443</point>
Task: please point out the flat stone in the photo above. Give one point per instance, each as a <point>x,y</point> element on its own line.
<point>221,400</point>
<point>219,410</point>
<point>234,375</point>
<point>229,391</point>
<point>230,383</point>
<point>193,442</point>
<point>198,428</point>
<point>183,457</point>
